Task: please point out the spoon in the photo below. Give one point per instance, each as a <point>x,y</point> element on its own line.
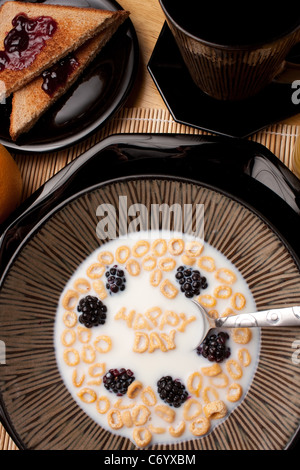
<point>289,316</point>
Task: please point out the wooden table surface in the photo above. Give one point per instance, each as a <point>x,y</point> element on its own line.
<point>148,19</point>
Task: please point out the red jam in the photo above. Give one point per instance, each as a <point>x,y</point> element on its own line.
<point>57,76</point>
<point>25,41</point>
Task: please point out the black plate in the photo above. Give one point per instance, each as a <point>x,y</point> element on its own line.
<point>190,106</point>
<point>245,171</point>
<point>93,99</point>
<point>242,169</point>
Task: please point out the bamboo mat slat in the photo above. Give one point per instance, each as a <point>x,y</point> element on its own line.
<point>37,169</point>
<point>6,443</point>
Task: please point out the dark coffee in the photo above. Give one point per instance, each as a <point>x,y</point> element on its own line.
<point>221,24</point>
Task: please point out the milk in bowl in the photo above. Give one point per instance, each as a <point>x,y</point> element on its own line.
<point>127,337</point>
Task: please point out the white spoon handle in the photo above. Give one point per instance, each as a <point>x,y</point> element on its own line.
<point>267,318</point>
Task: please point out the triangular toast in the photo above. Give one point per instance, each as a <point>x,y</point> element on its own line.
<point>74,26</point>
<point>31,102</point>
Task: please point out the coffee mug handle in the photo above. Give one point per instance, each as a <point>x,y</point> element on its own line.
<point>289,72</point>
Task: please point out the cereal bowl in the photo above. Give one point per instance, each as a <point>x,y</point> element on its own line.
<point>97,325</point>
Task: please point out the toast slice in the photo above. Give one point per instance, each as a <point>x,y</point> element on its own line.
<point>74,26</point>
<point>31,102</point>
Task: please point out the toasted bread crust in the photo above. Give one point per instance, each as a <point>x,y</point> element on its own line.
<point>75,26</point>
<point>31,102</point>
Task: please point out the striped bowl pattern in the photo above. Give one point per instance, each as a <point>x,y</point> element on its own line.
<point>40,408</point>
<point>230,73</point>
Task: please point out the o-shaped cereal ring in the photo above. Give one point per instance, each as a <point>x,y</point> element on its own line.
<point>176,246</point>
<point>88,354</point>
<point>71,352</point>
<point>241,335</point>
<point>95,270</point>
<point>148,396</point>
<point>84,334</point>
<point>163,245</point>
<point>106,340</point>
<point>225,275</point>
<point>70,319</point>
<point>114,419</point>
<point>106,257</point>
<point>238,301</point>
<point>140,248</point>
<point>222,292</point>
<point>155,277</point>
<point>87,395</point>
<point>220,381</point>
<point>244,357</point>
<point>142,436</point>
<point>133,267</point>
<point>168,289</point>
<point>122,254</point>
<point>149,263</point>
<point>167,264</point>
<point>207,263</point>
<point>98,369</point>
<point>234,369</point>
<point>194,248</point>
<point>68,337</point>
<point>82,285</point>
<point>200,426</point>
<point>207,300</point>
<point>140,415</point>
<point>191,402</point>
<point>190,383</point>
<point>234,392</point>
<point>102,405</point>
<point>70,299</point>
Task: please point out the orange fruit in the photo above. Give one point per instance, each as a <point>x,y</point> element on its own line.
<point>10,184</point>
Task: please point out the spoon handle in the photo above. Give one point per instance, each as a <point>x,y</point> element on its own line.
<point>275,317</point>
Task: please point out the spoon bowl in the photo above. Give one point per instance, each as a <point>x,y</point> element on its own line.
<point>281,317</point>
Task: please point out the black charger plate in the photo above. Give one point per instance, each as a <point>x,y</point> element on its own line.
<point>190,106</point>
<point>246,170</point>
<point>95,97</point>
<point>241,177</point>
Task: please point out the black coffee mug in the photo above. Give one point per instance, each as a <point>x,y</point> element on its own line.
<point>230,58</point>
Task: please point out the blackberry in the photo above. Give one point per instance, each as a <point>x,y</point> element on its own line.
<point>190,280</point>
<point>115,279</point>
<point>171,391</point>
<point>118,380</point>
<point>93,311</point>
<point>214,347</point>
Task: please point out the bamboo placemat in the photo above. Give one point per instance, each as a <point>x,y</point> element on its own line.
<point>36,169</point>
